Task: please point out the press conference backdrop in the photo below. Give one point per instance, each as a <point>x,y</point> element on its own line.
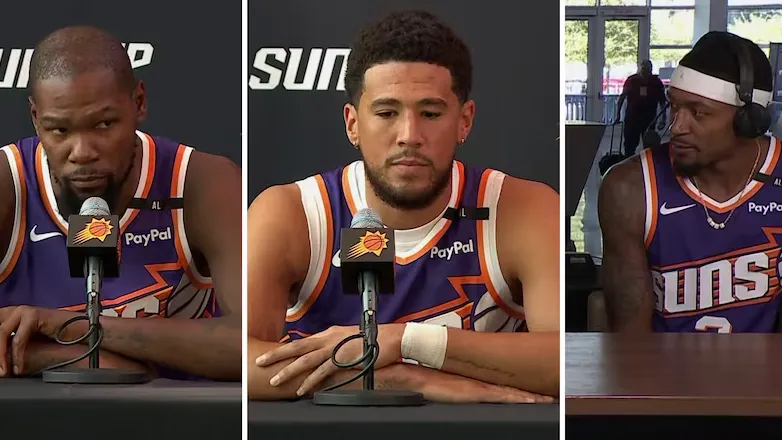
<point>191,74</point>
<point>297,53</point>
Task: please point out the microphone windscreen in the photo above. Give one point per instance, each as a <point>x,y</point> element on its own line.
<point>94,206</point>
<point>366,218</point>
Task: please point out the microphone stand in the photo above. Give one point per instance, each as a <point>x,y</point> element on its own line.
<point>368,396</point>
<point>94,284</point>
<point>368,327</point>
<point>93,269</point>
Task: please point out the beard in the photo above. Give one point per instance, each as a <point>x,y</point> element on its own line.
<point>70,200</point>
<point>686,169</point>
<point>403,198</point>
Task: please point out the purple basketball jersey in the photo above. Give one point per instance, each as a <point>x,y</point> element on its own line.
<point>157,277</point>
<point>705,279</point>
<point>447,271</point>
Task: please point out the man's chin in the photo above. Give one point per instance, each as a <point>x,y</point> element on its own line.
<point>686,168</point>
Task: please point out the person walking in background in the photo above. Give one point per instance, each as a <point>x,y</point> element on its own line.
<point>643,92</point>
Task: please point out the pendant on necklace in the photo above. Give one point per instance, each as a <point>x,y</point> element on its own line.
<point>714,224</point>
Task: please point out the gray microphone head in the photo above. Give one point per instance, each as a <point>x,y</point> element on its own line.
<point>95,206</point>
<point>366,218</point>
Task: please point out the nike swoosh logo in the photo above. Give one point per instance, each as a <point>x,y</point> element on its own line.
<point>336,261</point>
<point>664,210</point>
<point>40,237</point>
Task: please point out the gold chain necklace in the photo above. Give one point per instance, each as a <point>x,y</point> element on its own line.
<point>721,225</point>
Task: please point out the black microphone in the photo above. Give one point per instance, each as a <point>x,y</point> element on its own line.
<point>367,254</point>
<point>367,265</point>
<point>93,245</point>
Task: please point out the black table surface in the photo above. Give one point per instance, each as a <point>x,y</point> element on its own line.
<point>303,419</point>
<point>30,408</point>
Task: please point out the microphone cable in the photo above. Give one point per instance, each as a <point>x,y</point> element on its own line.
<point>372,354</point>
<point>58,333</point>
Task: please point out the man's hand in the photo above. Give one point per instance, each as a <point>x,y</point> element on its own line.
<point>23,322</point>
<point>314,352</point>
<point>30,349</point>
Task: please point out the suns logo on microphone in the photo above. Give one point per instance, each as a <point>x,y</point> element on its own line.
<point>95,229</point>
<point>371,242</point>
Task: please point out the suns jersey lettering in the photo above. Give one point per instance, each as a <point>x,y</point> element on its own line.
<point>156,280</point>
<point>704,279</point>
<point>465,291</point>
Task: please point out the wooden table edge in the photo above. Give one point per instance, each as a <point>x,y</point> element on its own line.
<point>673,406</point>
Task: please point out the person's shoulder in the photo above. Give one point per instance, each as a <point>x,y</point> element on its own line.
<point>524,196</point>
<point>626,170</point>
<point>291,192</point>
<point>219,162</point>
<point>623,183</point>
<point>277,195</point>
<point>23,144</point>
<point>278,206</point>
<point>197,154</point>
<point>214,170</point>
<point>521,187</point>
<point>514,187</point>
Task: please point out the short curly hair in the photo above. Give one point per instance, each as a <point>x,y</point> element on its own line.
<point>409,36</point>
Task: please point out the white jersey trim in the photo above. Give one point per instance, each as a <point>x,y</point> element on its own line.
<point>179,219</point>
<point>315,209</point>
<point>491,198</point>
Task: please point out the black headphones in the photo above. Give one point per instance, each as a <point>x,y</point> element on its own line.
<point>751,120</point>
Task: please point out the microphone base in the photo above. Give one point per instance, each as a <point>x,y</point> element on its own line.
<point>95,376</point>
<point>368,398</point>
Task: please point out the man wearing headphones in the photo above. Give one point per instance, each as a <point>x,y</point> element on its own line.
<point>691,228</point>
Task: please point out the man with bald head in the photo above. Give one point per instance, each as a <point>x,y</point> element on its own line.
<point>86,106</point>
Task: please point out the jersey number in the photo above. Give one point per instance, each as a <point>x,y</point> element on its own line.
<point>706,323</point>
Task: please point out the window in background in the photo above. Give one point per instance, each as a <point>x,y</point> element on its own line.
<point>576,41</point>
<point>672,3</point>
<point>576,54</point>
<point>623,3</point>
<point>580,2</point>
<point>666,58</point>
<point>752,2</point>
<point>672,27</point>
<point>621,43</point>
<point>763,26</point>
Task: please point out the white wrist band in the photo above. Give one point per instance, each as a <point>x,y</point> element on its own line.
<point>425,343</point>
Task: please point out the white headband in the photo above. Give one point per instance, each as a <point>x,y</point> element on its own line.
<point>690,80</point>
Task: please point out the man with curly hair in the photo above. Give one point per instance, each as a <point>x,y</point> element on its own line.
<point>470,331</point>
